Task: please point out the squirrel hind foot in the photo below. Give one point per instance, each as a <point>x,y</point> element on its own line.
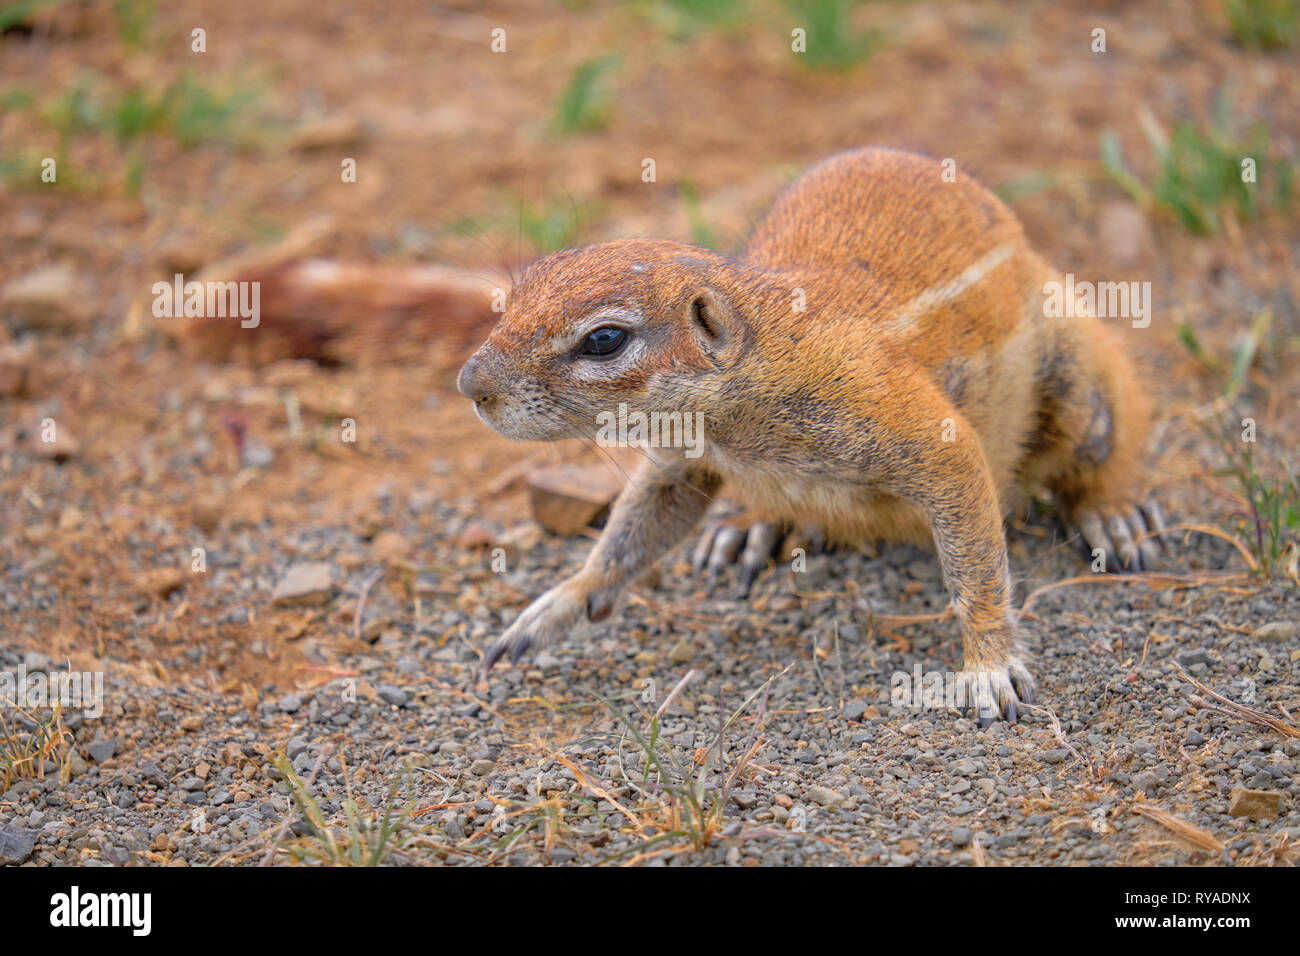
<point>1122,538</point>
<point>751,545</point>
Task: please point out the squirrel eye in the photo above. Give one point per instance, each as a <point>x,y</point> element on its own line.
<point>603,342</point>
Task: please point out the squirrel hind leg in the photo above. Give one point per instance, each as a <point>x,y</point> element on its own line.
<point>1089,455</point>
<point>1099,491</point>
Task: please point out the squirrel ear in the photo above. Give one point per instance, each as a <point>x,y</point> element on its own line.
<point>715,324</point>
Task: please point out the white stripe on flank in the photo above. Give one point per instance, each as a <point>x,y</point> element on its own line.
<point>938,295</point>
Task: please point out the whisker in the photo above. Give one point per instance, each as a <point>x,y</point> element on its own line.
<point>485,239</point>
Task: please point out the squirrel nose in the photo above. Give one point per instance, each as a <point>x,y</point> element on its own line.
<point>471,382</point>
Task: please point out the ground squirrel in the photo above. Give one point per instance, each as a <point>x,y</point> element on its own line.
<point>877,363</point>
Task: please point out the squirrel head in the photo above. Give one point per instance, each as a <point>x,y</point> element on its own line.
<point>645,323</point>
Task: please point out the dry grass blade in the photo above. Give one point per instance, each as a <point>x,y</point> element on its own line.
<point>686,679</point>
<point>1180,827</point>
<point>361,601</point>
<point>24,753</point>
<point>598,790</point>
<point>1059,733</point>
<point>1279,851</point>
<point>1149,578</point>
<point>1233,709</point>
<point>1213,532</point>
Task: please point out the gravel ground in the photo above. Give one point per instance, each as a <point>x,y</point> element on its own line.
<point>183,773</point>
<point>208,678</point>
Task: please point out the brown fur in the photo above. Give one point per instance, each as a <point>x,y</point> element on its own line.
<point>919,386</point>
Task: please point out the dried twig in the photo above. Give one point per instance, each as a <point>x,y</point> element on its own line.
<point>1180,827</point>
<point>1231,708</point>
<point>1149,578</point>
<point>366,585</point>
<point>686,679</point>
<point>752,742</point>
<point>1059,733</point>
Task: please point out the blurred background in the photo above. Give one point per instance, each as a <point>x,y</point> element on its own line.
<point>139,140</point>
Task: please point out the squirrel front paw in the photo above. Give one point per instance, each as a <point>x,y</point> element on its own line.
<point>995,691</point>
<point>555,613</point>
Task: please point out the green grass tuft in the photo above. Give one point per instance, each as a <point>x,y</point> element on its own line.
<point>134,21</point>
<point>1264,24</point>
<point>833,42</point>
<point>362,840</point>
<point>586,103</point>
<point>1199,178</point>
<point>1269,523</point>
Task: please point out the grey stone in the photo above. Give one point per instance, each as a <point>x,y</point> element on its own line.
<point>102,750</point>
<point>1146,780</point>
<point>1275,632</point>
<point>257,455</point>
<point>824,796</point>
<point>16,845</point>
<point>309,582</point>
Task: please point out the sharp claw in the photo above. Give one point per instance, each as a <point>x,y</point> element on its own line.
<point>703,547</point>
<point>518,648</point>
<point>1094,535</point>
<point>748,575</point>
<point>1023,690</point>
<point>1011,711</point>
<point>759,545</point>
<point>493,655</point>
<point>725,548</point>
<point>1155,520</point>
<point>1142,538</point>
<point>1130,558</point>
<point>985,722</point>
